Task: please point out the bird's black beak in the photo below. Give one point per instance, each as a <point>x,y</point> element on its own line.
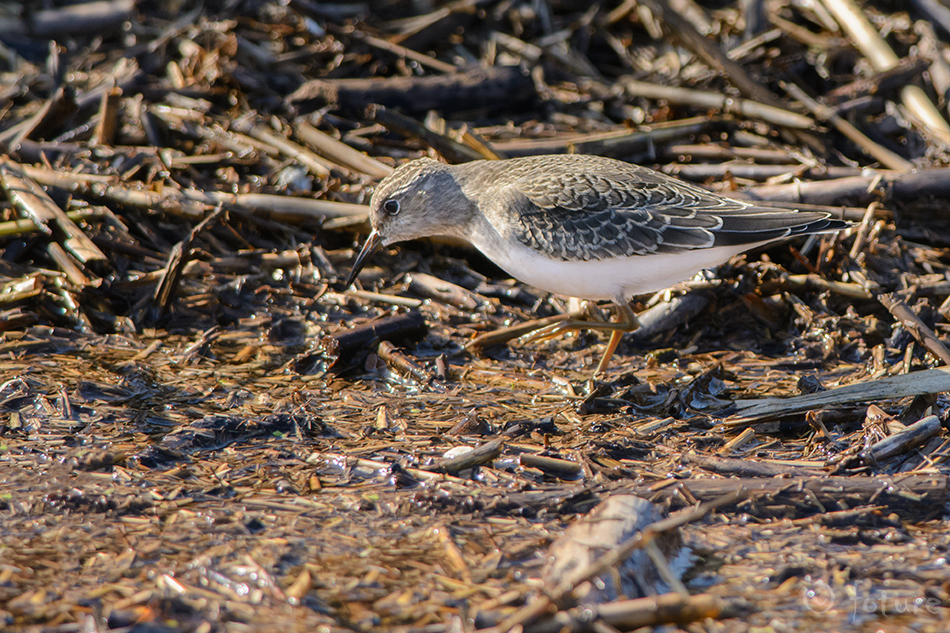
<point>373,243</point>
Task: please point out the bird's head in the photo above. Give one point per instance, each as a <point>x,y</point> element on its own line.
<point>419,199</point>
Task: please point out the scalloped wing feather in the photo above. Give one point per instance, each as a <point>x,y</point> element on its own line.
<point>602,210</point>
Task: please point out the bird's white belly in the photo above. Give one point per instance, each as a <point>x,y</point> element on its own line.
<point>618,278</point>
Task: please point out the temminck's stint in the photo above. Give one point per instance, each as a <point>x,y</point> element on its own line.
<point>582,226</point>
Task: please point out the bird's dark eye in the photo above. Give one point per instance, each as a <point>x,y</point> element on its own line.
<point>391,207</point>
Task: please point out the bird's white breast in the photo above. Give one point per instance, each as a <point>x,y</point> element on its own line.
<point>614,279</point>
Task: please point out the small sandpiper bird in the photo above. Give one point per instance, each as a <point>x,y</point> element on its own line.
<point>583,226</point>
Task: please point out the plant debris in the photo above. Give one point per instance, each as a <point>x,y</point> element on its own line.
<point>202,429</point>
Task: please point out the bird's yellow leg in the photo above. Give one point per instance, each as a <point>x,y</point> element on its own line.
<point>627,321</point>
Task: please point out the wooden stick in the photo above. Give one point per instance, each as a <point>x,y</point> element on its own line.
<point>823,112</point>
<point>195,203</point>
<point>703,172</point>
<point>99,17</point>
<point>561,468</point>
<point>450,149</point>
<point>345,345</point>
<point>505,334</point>
<point>108,117</point>
<point>22,227</point>
<point>879,53</point>
<point>710,53</point>
<point>483,454</point>
<point>444,291</point>
<point>399,51</point>
<point>900,443</point>
<point>497,87</point>
<point>815,282</point>
<point>627,615</point>
<point>902,312</point>
<point>913,496</point>
<point>668,315</point>
<point>906,70</point>
<point>340,152</point>
<point>903,187</point>
<point>705,99</point>
<point>175,266</point>
<point>707,50</point>
<point>293,150</point>
<point>36,204</point>
<point>936,12</point>
<point>613,143</point>
<point>888,388</point>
